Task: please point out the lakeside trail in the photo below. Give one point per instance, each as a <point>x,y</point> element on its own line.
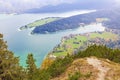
<point>98,65</point>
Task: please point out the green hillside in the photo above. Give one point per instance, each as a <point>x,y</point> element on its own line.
<point>40,22</point>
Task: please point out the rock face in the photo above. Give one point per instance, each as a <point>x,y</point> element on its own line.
<point>97,69</point>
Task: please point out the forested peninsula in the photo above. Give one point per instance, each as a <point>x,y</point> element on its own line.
<point>103,16</point>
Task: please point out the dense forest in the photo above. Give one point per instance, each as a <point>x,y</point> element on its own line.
<point>75,21</point>
<point>11,70</point>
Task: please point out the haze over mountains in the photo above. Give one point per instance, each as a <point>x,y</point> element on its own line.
<point>79,5</point>
<point>48,6</point>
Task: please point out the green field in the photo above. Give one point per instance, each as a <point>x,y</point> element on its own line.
<point>39,22</point>
<point>105,35</point>
<point>76,41</point>
<point>68,46</point>
<point>42,21</point>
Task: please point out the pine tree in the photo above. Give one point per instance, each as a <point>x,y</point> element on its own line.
<point>31,67</point>
<point>9,65</point>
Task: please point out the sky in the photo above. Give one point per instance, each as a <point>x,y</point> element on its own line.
<point>21,5</point>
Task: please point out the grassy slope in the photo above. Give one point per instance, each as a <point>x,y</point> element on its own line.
<point>78,41</point>
<point>81,65</point>
<point>40,22</point>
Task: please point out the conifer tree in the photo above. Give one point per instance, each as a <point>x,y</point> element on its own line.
<point>9,65</point>
<point>31,67</point>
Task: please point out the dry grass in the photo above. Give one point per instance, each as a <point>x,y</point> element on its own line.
<point>82,66</point>
<point>114,72</point>
<point>79,65</point>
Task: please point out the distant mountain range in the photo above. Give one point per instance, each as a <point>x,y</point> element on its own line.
<point>81,5</point>
<point>112,15</point>
<point>52,8</point>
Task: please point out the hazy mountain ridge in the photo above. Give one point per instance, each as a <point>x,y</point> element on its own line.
<point>49,6</point>
<point>79,5</point>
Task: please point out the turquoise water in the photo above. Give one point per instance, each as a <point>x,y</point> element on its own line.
<point>22,43</point>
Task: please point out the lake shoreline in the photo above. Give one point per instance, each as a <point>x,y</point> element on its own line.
<point>22,43</point>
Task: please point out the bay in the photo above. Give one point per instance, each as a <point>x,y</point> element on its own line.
<point>22,43</point>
